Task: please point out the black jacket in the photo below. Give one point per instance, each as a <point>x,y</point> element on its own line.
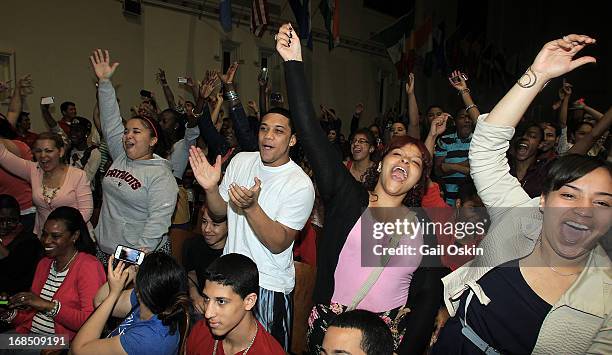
<point>345,199</point>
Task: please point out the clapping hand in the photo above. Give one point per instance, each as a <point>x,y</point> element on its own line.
<point>207,175</point>
<point>244,198</point>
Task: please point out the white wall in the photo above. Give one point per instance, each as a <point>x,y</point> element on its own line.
<point>52,41</point>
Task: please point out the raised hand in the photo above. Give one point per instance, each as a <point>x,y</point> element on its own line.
<point>288,43</point>
<point>253,106</point>
<point>207,175</point>
<point>228,78</point>
<point>567,89</point>
<point>100,62</point>
<point>556,57</point>
<point>25,85</point>
<point>208,85</point>
<point>438,125</point>
<point>410,84</point>
<point>160,76</point>
<point>189,82</point>
<point>359,109</point>
<point>457,81</point>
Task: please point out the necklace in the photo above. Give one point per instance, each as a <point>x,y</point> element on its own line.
<point>245,350</point>
<point>69,261</point>
<point>552,267</point>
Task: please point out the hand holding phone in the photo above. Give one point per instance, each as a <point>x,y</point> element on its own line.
<point>49,100</point>
<point>129,255</point>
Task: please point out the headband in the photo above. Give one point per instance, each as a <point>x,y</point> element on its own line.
<point>152,126</point>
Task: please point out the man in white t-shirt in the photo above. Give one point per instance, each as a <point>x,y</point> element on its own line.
<point>267,199</point>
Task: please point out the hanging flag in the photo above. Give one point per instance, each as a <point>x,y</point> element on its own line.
<point>259,17</point>
<point>225,15</point>
<point>397,38</point>
<point>331,16</point>
<point>301,11</point>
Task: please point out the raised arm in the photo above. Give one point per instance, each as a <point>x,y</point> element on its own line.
<point>582,146</point>
<point>356,117</point>
<point>457,80</point>
<point>110,116</point>
<point>12,162</point>
<point>16,105</point>
<point>329,171</point>
<point>438,126</point>
<point>264,91</point>
<point>554,59</point>
<point>413,109</point>
<point>488,162</point>
<point>246,138</point>
<point>161,77</point>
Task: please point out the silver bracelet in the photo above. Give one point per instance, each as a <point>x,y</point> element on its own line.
<point>471,107</point>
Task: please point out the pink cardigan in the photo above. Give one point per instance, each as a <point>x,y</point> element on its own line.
<point>76,294</point>
<point>75,192</point>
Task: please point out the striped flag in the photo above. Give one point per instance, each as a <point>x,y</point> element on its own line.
<point>331,15</point>
<point>259,17</point>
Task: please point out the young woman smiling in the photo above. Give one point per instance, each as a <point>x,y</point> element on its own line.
<point>139,190</point>
<point>543,283</point>
<point>65,282</point>
<point>53,182</point>
<point>342,281</point>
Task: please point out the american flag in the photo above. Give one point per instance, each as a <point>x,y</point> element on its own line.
<point>259,17</point>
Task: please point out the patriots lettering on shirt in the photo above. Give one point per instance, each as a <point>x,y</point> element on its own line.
<point>125,176</point>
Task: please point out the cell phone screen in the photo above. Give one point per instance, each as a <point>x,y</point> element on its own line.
<point>132,256</point>
<point>3,303</point>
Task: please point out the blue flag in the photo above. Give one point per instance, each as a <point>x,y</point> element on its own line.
<point>225,15</point>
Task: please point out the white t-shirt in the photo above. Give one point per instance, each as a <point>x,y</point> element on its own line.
<point>286,196</point>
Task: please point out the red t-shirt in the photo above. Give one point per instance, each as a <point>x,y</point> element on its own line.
<point>201,342</point>
<point>29,138</point>
<point>14,186</point>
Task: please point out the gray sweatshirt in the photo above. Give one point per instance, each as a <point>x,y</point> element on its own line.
<point>139,196</point>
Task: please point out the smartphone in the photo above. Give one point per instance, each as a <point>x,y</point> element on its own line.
<point>47,100</point>
<point>182,80</point>
<point>129,255</point>
<point>4,302</point>
<point>145,93</point>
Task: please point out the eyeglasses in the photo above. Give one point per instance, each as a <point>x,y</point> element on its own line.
<point>360,141</point>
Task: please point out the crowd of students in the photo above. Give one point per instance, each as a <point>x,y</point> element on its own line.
<point>279,185</point>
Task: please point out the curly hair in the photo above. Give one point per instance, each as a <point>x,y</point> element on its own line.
<point>415,194</point>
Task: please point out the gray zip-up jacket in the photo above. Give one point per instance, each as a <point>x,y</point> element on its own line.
<point>139,196</point>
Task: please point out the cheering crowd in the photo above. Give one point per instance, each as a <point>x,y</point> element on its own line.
<point>275,184</point>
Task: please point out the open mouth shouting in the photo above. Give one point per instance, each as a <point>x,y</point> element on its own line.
<point>399,174</point>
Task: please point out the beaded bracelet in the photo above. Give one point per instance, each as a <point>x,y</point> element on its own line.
<point>463,91</point>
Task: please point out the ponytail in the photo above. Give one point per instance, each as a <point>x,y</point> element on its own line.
<point>176,316</point>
